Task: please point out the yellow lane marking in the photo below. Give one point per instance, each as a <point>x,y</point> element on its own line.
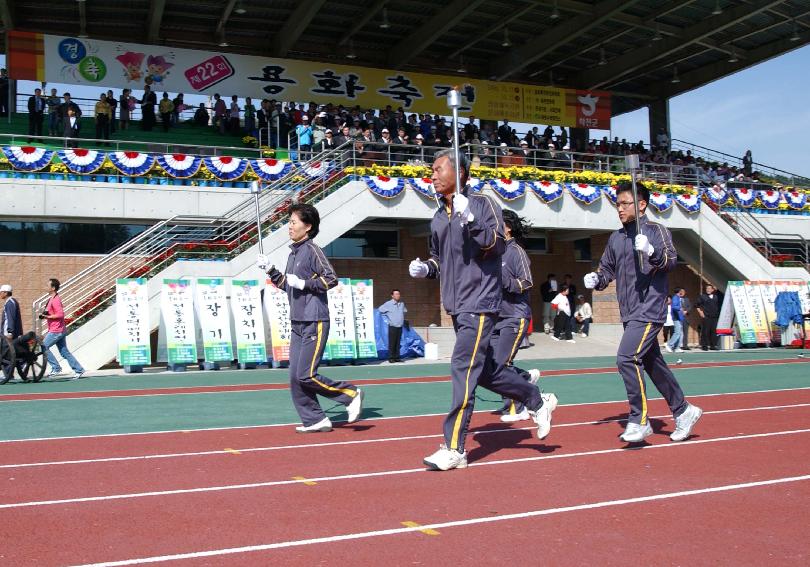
<point>304,480</point>
<point>427,531</point>
<point>231,451</point>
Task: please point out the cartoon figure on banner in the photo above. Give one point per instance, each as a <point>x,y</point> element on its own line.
<point>157,68</point>
<point>132,65</point>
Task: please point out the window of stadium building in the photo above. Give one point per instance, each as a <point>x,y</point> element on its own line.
<point>536,244</point>
<point>360,243</point>
<point>65,238</point>
<point>582,250</point>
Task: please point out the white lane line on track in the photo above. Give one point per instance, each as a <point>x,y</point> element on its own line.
<point>355,476</point>
<point>360,441</point>
<point>454,523</point>
<point>266,425</point>
<point>363,382</point>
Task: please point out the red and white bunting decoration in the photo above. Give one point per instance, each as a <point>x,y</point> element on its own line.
<point>387,187</point>
<point>79,160</point>
<point>796,200</point>
<point>132,163</point>
<point>770,198</point>
<point>28,158</point>
<point>509,189</point>
<point>688,202</point>
<point>744,196</point>
<point>226,168</point>
<point>422,185</point>
<point>584,192</point>
<point>317,168</point>
<point>269,169</point>
<point>609,191</point>
<point>548,191</point>
<point>717,194</point>
<point>660,201</point>
<point>180,165</point>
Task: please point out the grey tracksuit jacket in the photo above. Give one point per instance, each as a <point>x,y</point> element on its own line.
<point>641,289</point>
<point>517,280</point>
<point>468,257</point>
<point>308,262</point>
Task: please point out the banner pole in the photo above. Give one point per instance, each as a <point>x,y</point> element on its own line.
<point>454,102</point>
<point>256,189</point>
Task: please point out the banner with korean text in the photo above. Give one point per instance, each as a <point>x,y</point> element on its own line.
<point>341,342</point>
<point>248,321</point>
<point>277,307</point>
<point>758,317</point>
<point>177,321</point>
<point>215,319</point>
<point>363,299</point>
<point>132,321</point>
<point>112,64</point>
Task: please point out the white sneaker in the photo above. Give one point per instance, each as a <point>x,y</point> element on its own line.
<point>445,459</point>
<point>77,375</point>
<point>355,406</point>
<point>322,426</point>
<point>53,374</point>
<point>513,417</point>
<point>678,350</point>
<point>542,417</point>
<point>667,348</point>
<point>570,341</point>
<point>636,433</point>
<point>583,335</point>
<point>535,376</point>
<point>685,422</point>
<point>555,338</point>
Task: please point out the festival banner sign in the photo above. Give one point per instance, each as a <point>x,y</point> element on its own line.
<point>277,307</point>
<point>132,322</point>
<point>113,64</point>
<point>215,319</point>
<point>248,321</point>
<point>742,311</point>
<point>341,342</point>
<point>758,318</point>
<point>177,313</point>
<point>363,298</point>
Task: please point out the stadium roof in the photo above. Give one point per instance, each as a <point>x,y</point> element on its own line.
<point>640,50</point>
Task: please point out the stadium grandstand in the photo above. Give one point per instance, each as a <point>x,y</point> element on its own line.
<point>145,142</point>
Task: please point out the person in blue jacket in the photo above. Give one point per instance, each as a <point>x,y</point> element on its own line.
<point>308,277</point>
<point>640,262</point>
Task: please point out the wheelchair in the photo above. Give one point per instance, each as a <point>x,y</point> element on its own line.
<point>24,355</point>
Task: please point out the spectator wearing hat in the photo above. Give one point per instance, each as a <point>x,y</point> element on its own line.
<point>304,133</point>
<point>328,143</point>
<point>11,320</point>
<point>318,130</point>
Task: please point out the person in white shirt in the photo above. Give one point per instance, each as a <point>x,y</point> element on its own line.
<point>583,315</point>
<point>563,308</point>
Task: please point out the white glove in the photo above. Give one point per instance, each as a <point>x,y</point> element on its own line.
<point>461,207</point>
<point>295,281</point>
<point>418,269</point>
<point>591,280</point>
<point>262,262</point>
<point>642,244</point>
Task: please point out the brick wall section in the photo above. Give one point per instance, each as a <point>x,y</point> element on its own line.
<point>29,275</point>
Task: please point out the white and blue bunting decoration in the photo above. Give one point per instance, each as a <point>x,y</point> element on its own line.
<point>584,192</point>
<point>132,163</point>
<point>79,160</point>
<point>269,169</point>
<point>796,199</point>
<point>28,158</point>
<point>508,189</point>
<point>770,198</point>
<point>548,191</point>
<point>317,169</point>
<point>180,165</point>
<point>689,203</point>
<point>661,201</point>
<point>422,185</point>
<point>387,187</point>
<point>226,168</point>
<point>717,194</point>
<point>475,184</point>
<point>609,191</point>
<point>744,196</point>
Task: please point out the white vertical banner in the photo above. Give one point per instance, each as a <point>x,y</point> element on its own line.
<point>742,311</point>
<point>341,342</point>
<point>248,321</point>
<point>132,322</point>
<point>215,319</point>
<point>177,321</point>
<point>363,297</point>
<point>277,307</point>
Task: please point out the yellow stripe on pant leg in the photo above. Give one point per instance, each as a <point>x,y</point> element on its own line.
<point>350,393</point>
<point>640,378</point>
<point>460,415</point>
<point>517,339</point>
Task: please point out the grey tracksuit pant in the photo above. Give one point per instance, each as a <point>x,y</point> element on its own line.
<point>472,365</point>
<point>306,349</point>
<point>639,348</point>
<point>506,339</point>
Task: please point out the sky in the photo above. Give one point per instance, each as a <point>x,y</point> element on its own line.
<point>763,108</point>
